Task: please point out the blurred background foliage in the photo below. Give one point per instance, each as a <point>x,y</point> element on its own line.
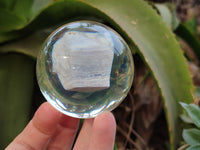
<point>164,38</point>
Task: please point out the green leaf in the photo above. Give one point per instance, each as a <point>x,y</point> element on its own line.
<point>192,25</point>
<point>56,13</point>
<point>185,33</point>
<point>16,86</point>
<point>6,4</point>
<point>16,14</point>
<point>115,147</point>
<point>22,8</point>
<point>168,13</point>
<point>165,14</point>
<point>197,92</point>
<point>6,36</point>
<point>191,136</point>
<point>9,21</point>
<point>29,45</point>
<point>195,147</point>
<point>143,29</point>
<point>185,117</point>
<point>38,5</point>
<point>194,112</point>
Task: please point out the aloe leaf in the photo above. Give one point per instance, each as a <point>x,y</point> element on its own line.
<point>56,13</point>
<point>194,147</point>
<point>165,14</point>
<point>191,136</point>
<point>194,112</point>
<point>9,20</point>
<point>6,4</point>
<point>16,85</point>
<point>16,14</point>
<point>22,8</point>
<point>39,5</point>
<point>185,33</point>
<point>25,8</point>
<point>29,45</point>
<point>168,12</point>
<point>143,29</point>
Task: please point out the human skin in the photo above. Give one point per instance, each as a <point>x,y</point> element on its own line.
<point>51,130</point>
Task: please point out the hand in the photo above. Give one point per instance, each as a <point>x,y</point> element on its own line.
<point>51,130</point>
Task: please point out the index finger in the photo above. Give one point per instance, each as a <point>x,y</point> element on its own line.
<point>103,132</point>
<point>39,129</point>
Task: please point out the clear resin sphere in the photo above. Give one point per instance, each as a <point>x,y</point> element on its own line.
<point>85,68</point>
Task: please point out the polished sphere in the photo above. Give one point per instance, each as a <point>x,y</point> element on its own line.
<point>84,69</point>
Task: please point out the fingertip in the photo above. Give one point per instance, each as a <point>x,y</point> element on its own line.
<point>107,118</point>
<point>104,130</point>
<point>46,118</point>
<point>46,109</point>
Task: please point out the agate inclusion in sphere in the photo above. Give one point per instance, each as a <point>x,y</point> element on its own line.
<point>85,68</point>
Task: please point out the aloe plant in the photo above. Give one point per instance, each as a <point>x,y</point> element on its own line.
<point>25,24</point>
<point>192,135</point>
